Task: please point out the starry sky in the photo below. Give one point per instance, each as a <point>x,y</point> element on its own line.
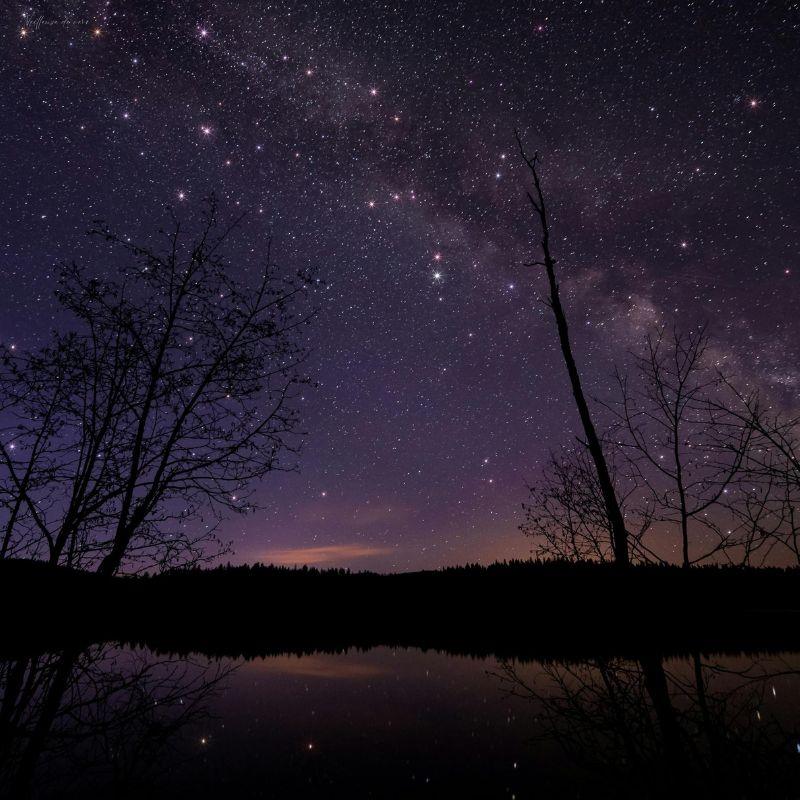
<point>375,142</point>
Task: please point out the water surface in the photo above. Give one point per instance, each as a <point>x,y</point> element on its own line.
<point>398,723</point>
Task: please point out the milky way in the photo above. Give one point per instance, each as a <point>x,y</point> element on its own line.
<point>376,143</point>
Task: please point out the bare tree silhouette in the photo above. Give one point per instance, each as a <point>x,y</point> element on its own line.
<point>131,436</point>
<point>566,513</point>
<point>768,509</point>
<point>679,431</point>
<point>686,450</point>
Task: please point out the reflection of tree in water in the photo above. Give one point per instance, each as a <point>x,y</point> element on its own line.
<point>649,728</point>
<point>101,716</point>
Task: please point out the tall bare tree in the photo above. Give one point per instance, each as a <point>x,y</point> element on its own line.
<point>611,502</point>
<point>130,436</point>
<point>768,508</point>
<point>682,437</point>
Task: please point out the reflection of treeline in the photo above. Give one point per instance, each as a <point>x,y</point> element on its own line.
<point>518,608</point>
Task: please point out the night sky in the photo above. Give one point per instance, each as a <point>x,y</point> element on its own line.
<point>375,142</point>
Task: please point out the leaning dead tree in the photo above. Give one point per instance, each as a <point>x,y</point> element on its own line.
<point>127,438</point>
<point>610,501</point>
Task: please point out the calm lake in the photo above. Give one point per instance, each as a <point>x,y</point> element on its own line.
<point>108,722</point>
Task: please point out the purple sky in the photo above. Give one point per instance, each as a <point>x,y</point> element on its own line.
<point>377,145</point>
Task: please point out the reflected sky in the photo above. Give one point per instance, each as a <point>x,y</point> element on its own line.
<point>402,723</point>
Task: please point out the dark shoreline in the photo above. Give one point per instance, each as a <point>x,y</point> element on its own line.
<point>524,610</point>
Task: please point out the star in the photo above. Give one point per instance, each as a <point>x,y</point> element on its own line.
<point>205,130</point>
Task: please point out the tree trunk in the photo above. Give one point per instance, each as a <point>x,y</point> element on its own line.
<point>619,535</point>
